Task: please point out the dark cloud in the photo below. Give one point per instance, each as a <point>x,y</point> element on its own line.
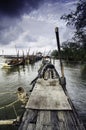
<point>11,25</point>
<point>14,8</point>
<point>17,7</point>
<point>10,13</point>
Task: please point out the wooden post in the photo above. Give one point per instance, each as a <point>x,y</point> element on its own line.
<point>59,51</point>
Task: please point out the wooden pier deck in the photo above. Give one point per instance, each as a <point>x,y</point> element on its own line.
<point>49,108</point>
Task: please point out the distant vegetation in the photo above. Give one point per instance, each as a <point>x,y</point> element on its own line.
<point>71,52</point>
<point>76,50</point>
<point>77,19</point>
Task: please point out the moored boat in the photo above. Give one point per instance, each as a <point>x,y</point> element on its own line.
<point>49,106</point>
<point>13,63</point>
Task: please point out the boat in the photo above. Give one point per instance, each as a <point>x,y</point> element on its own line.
<point>13,62</point>
<point>49,106</point>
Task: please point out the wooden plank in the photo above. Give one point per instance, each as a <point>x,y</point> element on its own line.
<point>48,95</point>
<point>67,121</point>
<point>31,117</point>
<point>25,115</point>
<point>54,120</point>
<point>31,126</point>
<point>39,120</point>
<point>63,122</point>
<point>44,121</point>
<point>51,120</point>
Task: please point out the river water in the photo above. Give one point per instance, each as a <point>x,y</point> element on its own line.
<point>11,79</point>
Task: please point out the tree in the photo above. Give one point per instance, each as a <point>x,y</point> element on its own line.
<point>71,50</point>
<point>54,53</point>
<point>77,18</point>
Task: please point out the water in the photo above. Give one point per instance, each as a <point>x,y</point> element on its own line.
<point>11,79</point>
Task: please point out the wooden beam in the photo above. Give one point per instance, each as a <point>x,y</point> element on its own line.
<point>44,121</point>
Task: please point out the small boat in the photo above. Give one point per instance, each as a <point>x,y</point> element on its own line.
<point>13,62</point>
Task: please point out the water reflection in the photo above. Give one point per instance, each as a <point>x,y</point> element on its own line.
<point>76,86</point>
<point>83,72</point>
<point>12,70</point>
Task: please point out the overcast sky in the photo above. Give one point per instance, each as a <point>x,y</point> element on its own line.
<point>31,24</point>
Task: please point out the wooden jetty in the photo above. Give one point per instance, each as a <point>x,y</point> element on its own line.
<point>49,106</point>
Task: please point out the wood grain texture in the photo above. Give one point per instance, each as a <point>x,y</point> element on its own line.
<point>48,95</point>
<point>44,121</point>
<point>31,126</point>
<point>29,118</point>
<point>50,108</point>
<point>51,120</point>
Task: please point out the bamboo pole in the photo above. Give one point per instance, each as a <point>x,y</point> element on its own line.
<point>59,51</point>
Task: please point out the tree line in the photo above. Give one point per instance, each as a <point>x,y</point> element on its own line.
<point>75,50</point>
<point>71,51</point>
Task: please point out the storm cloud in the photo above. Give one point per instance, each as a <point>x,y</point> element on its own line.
<point>15,8</point>
<point>31,23</point>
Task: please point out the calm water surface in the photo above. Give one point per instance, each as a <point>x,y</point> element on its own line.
<point>11,79</point>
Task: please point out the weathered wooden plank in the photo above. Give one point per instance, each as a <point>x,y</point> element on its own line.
<point>50,109</point>
<point>39,120</point>
<point>61,120</point>
<point>65,121</point>
<point>76,120</point>
<point>54,120</point>
<point>51,120</point>
<point>30,118</point>
<point>25,115</point>
<point>48,95</point>
<point>31,126</point>
<point>68,121</point>
<point>44,121</point>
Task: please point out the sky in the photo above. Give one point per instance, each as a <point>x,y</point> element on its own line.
<point>30,24</point>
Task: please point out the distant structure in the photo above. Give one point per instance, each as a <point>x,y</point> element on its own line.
<point>39,54</point>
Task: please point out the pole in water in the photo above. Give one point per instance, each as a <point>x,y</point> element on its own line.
<point>59,51</point>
